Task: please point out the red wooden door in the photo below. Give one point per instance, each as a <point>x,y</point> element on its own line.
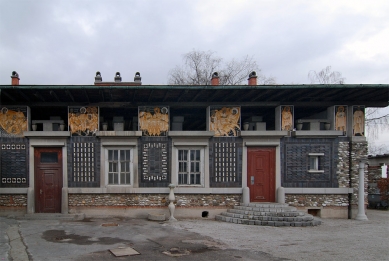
<point>48,180</point>
<point>261,174</point>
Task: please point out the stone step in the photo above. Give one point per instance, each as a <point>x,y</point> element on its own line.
<point>268,218</point>
<point>244,221</point>
<point>264,213</point>
<point>269,210</point>
<point>265,205</point>
<point>52,216</point>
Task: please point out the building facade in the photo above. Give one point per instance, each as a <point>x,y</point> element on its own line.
<point>112,148</point>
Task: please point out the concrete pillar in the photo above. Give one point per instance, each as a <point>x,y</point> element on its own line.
<point>281,195</point>
<point>65,201</point>
<point>361,193</point>
<point>246,196</point>
<point>30,201</point>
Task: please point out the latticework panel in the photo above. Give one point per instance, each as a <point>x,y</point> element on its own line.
<point>84,162</point>
<point>14,162</point>
<point>226,162</point>
<point>154,155</point>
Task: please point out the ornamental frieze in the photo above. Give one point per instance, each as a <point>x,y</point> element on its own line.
<point>83,121</point>
<point>225,121</point>
<point>153,121</point>
<point>13,121</point>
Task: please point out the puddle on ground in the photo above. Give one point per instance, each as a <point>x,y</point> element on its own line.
<point>60,236</point>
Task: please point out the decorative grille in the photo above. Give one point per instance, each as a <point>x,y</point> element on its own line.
<point>84,161</point>
<point>154,158</point>
<point>226,162</point>
<point>14,162</point>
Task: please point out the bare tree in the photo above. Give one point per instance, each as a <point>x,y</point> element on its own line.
<point>326,76</point>
<point>199,66</point>
<point>376,122</point>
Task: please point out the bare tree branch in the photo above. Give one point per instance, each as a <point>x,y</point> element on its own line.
<point>326,76</point>
<point>199,66</point>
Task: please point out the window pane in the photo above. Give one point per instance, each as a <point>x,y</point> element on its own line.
<point>197,167</point>
<point>128,178</point>
<point>116,179</point>
<point>123,167</point>
<point>110,178</point>
<point>110,155</point>
<point>115,155</point>
<point>192,179</point>
<point>49,157</point>
<point>128,155</point>
<point>180,155</point>
<point>182,167</point>
<point>192,165</point>
<point>197,154</point>
<point>180,178</point>
<point>197,179</point>
<point>122,155</point>
<point>192,154</point>
<point>122,178</point>
<point>313,163</point>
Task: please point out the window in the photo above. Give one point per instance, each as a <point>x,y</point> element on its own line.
<point>190,166</point>
<point>315,163</point>
<point>119,163</point>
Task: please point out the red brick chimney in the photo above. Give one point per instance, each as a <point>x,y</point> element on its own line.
<point>15,78</point>
<point>253,78</point>
<point>215,79</point>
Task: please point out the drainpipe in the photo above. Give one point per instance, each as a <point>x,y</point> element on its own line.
<point>350,195</point>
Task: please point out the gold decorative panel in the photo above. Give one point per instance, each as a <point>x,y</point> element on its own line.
<point>286,118</point>
<point>13,121</point>
<point>341,118</point>
<point>225,121</point>
<point>83,121</point>
<point>359,121</point>
<point>153,121</point>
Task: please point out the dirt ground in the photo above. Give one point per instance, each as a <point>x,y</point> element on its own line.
<point>335,239</point>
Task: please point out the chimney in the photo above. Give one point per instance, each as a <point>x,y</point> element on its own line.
<point>215,79</point>
<point>253,78</point>
<point>15,78</point>
<point>98,77</point>
<point>137,77</point>
<point>117,77</point>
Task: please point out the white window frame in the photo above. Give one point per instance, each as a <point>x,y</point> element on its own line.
<point>315,158</point>
<point>201,167</point>
<point>131,165</point>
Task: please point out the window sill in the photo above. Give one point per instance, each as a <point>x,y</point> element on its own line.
<point>316,171</point>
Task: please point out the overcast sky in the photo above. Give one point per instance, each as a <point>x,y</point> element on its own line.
<point>66,42</point>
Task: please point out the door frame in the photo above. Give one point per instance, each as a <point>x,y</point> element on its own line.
<point>264,142</point>
<point>37,139</point>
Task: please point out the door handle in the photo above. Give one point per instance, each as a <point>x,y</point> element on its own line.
<point>252,180</point>
<point>40,191</point>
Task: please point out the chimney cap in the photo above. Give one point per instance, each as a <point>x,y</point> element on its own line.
<point>137,77</point>
<point>98,73</point>
<point>15,74</point>
<point>252,74</point>
<point>215,75</point>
